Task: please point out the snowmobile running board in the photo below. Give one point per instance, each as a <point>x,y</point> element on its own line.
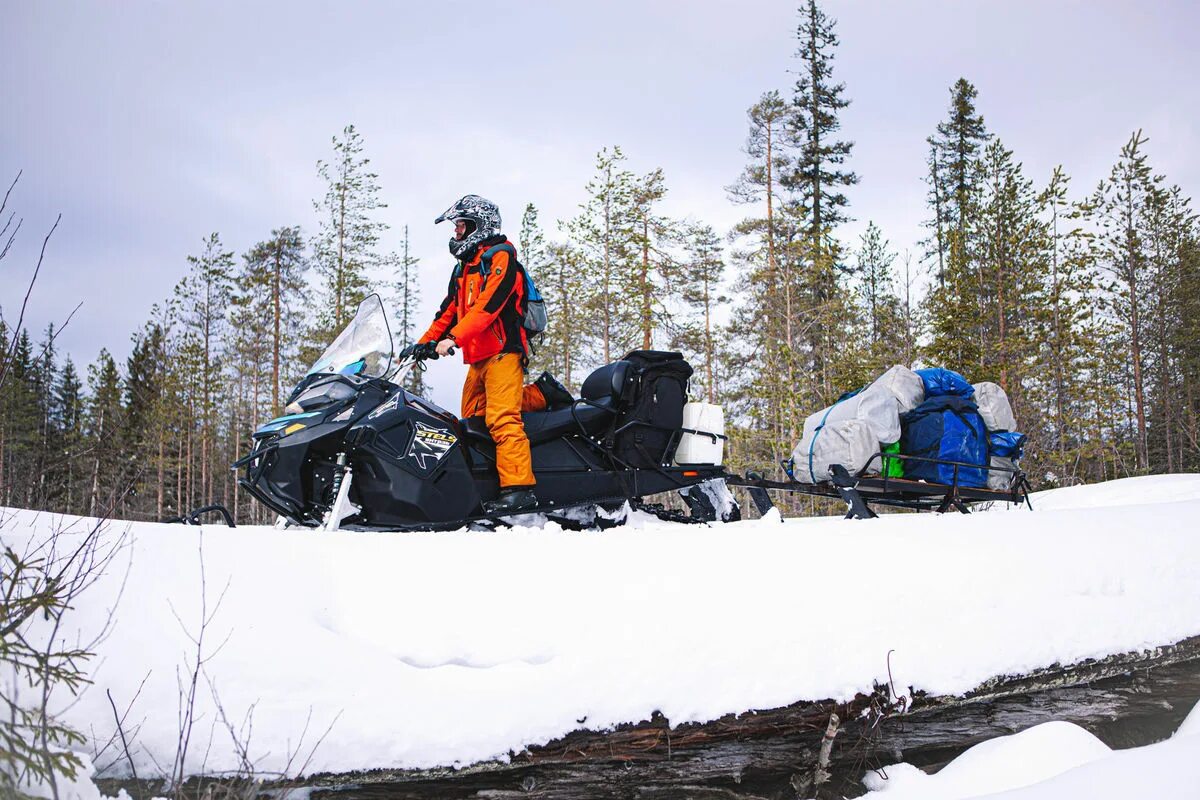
<point>859,491</point>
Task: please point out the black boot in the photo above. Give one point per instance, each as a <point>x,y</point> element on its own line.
<point>555,393</point>
<point>511,501</point>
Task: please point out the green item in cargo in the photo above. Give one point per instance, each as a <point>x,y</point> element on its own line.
<point>892,467</point>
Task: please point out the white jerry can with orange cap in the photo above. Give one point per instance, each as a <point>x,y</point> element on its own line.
<point>703,438</point>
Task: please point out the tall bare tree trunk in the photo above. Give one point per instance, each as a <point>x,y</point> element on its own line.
<point>607,263</point>
<point>647,327</point>
<point>277,314</point>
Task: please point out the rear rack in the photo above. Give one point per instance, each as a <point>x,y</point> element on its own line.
<point>862,490</point>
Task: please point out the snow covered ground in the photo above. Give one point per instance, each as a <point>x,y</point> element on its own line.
<point>424,649</point>
<point>1054,761</point>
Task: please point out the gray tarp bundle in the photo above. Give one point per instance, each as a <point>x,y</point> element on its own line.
<point>997,415</point>
<point>851,431</point>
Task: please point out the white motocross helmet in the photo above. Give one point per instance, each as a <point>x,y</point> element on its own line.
<point>483,222</point>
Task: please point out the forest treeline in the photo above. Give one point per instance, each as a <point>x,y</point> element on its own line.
<point>1084,304</point>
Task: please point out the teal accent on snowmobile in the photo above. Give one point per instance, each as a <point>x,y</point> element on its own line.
<point>279,423</point>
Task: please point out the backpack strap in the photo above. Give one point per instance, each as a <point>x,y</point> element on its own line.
<point>485,261</point>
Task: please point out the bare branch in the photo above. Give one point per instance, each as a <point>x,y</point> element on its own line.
<point>8,353</point>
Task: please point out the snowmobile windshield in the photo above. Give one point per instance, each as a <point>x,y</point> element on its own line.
<point>364,347</point>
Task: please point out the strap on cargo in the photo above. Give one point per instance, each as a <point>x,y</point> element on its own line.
<point>714,436</point>
<point>817,433</point>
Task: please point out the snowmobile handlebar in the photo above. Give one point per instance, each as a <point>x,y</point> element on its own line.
<point>424,351</point>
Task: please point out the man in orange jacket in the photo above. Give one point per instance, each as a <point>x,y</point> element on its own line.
<point>483,315</point>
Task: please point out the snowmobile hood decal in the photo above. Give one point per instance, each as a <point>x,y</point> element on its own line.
<point>429,442</point>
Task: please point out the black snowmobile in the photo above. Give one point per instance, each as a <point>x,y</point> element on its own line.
<point>357,450</point>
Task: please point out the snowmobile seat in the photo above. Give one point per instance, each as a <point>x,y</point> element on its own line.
<point>609,381</point>
<point>601,394</point>
<point>542,426</point>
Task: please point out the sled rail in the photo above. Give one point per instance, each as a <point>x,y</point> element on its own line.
<point>862,490</point>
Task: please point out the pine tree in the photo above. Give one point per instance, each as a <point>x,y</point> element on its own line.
<point>562,349</point>
<point>202,299</point>
<point>345,247</point>
<point>703,273</point>
<point>1170,226</point>
<point>531,242</point>
<point>551,352</point>
<point>604,234</point>
<point>272,285</point>
<point>408,298</point>
<point>1120,207</point>
<point>652,272</point>
<point>1068,349</point>
<point>765,321</point>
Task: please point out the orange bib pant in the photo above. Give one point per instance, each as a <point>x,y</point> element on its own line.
<point>495,390</point>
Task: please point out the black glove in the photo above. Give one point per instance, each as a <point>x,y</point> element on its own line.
<point>420,351</point>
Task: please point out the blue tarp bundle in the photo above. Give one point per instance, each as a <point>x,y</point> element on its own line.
<point>946,427</point>
<point>940,382</point>
<point>1007,444</point>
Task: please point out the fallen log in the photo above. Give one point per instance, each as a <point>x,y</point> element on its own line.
<point>1127,700</point>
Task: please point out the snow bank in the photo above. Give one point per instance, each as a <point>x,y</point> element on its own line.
<point>1052,761</point>
<point>447,648</point>
<point>1123,492</point>
<point>1006,762</point>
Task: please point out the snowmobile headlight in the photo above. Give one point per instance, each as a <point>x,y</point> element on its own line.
<point>319,396</point>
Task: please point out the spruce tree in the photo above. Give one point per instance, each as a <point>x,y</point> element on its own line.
<point>141,422</point>
<point>817,205</point>
<point>47,462</point>
<point>105,421</point>
<point>19,438</point>
<point>69,404</point>
<point>819,176</point>
<point>956,151</point>
<point>881,308</point>
<point>1009,276</point>
<point>954,306</point>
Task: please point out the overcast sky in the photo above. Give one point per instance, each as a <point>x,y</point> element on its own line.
<point>150,125</point>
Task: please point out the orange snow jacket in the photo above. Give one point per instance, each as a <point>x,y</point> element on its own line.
<point>483,313</point>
